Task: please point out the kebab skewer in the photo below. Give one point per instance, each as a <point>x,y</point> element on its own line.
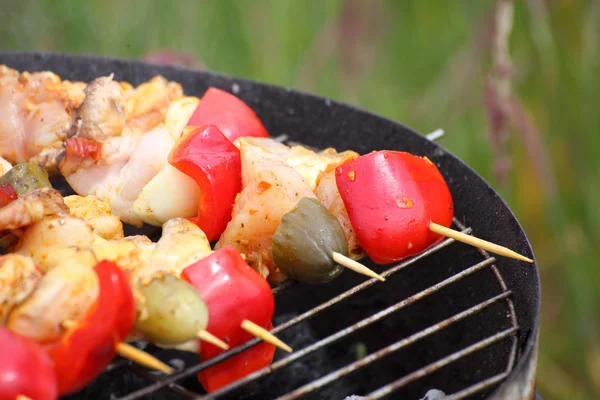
<point>399,205</point>
<point>232,270</point>
<point>221,276</point>
<point>181,244</point>
<point>40,205</point>
<point>48,256</point>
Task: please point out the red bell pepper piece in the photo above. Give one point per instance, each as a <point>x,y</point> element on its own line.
<point>391,197</point>
<point>228,113</point>
<point>25,369</point>
<point>7,194</point>
<point>233,292</point>
<point>86,349</point>
<point>78,153</point>
<point>208,157</point>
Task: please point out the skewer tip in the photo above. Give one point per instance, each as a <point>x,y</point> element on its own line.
<point>264,334</point>
<point>212,339</point>
<point>132,353</point>
<point>355,266</point>
<point>476,242</point>
<point>141,357</point>
<point>23,397</point>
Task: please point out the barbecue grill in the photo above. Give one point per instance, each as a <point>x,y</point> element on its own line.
<point>453,318</point>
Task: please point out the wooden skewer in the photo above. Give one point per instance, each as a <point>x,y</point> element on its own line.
<point>132,353</point>
<point>473,241</point>
<point>355,266</point>
<point>22,397</point>
<point>141,357</point>
<point>212,339</point>
<point>264,334</point>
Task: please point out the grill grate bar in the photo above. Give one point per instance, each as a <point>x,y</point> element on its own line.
<point>390,388</point>
<point>477,387</point>
<point>309,314</point>
<point>349,330</point>
<point>316,384</point>
<point>366,284</point>
<point>285,285</point>
<point>117,364</point>
<point>175,388</point>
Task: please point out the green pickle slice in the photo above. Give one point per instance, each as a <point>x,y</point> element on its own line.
<point>305,240</point>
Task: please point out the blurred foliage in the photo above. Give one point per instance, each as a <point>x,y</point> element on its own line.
<point>423,63</point>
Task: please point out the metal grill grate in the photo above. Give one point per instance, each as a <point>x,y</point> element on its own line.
<point>170,383</point>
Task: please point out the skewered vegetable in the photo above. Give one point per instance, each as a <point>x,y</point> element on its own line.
<point>176,312</point>
<point>103,110</point>
<point>82,352</point>
<point>25,369</point>
<point>178,115</point>
<point>391,198</point>
<point>80,153</point>
<point>5,166</point>
<point>305,240</point>
<point>26,177</point>
<point>7,194</point>
<point>228,113</point>
<point>170,194</point>
<point>207,156</point>
<point>233,292</point>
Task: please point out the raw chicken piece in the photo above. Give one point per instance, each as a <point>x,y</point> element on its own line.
<point>87,176</point>
<point>182,243</point>
<point>319,170</point>
<point>111,106</point>
<point>308,163</point>
<point>39,111</point>
<point>31,208</point>
<point>271,188</point>
<point>148,158</point>
<point>64,293</point>
<point>328,194</point>
<point>146,106</point>
<point>41,239</point>
<point>98,214</point>
<point>125,165</point>
<point>35,113</point>
<point>18,278</point>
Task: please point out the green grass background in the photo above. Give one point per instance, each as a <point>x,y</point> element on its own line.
<point>422,63</point>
